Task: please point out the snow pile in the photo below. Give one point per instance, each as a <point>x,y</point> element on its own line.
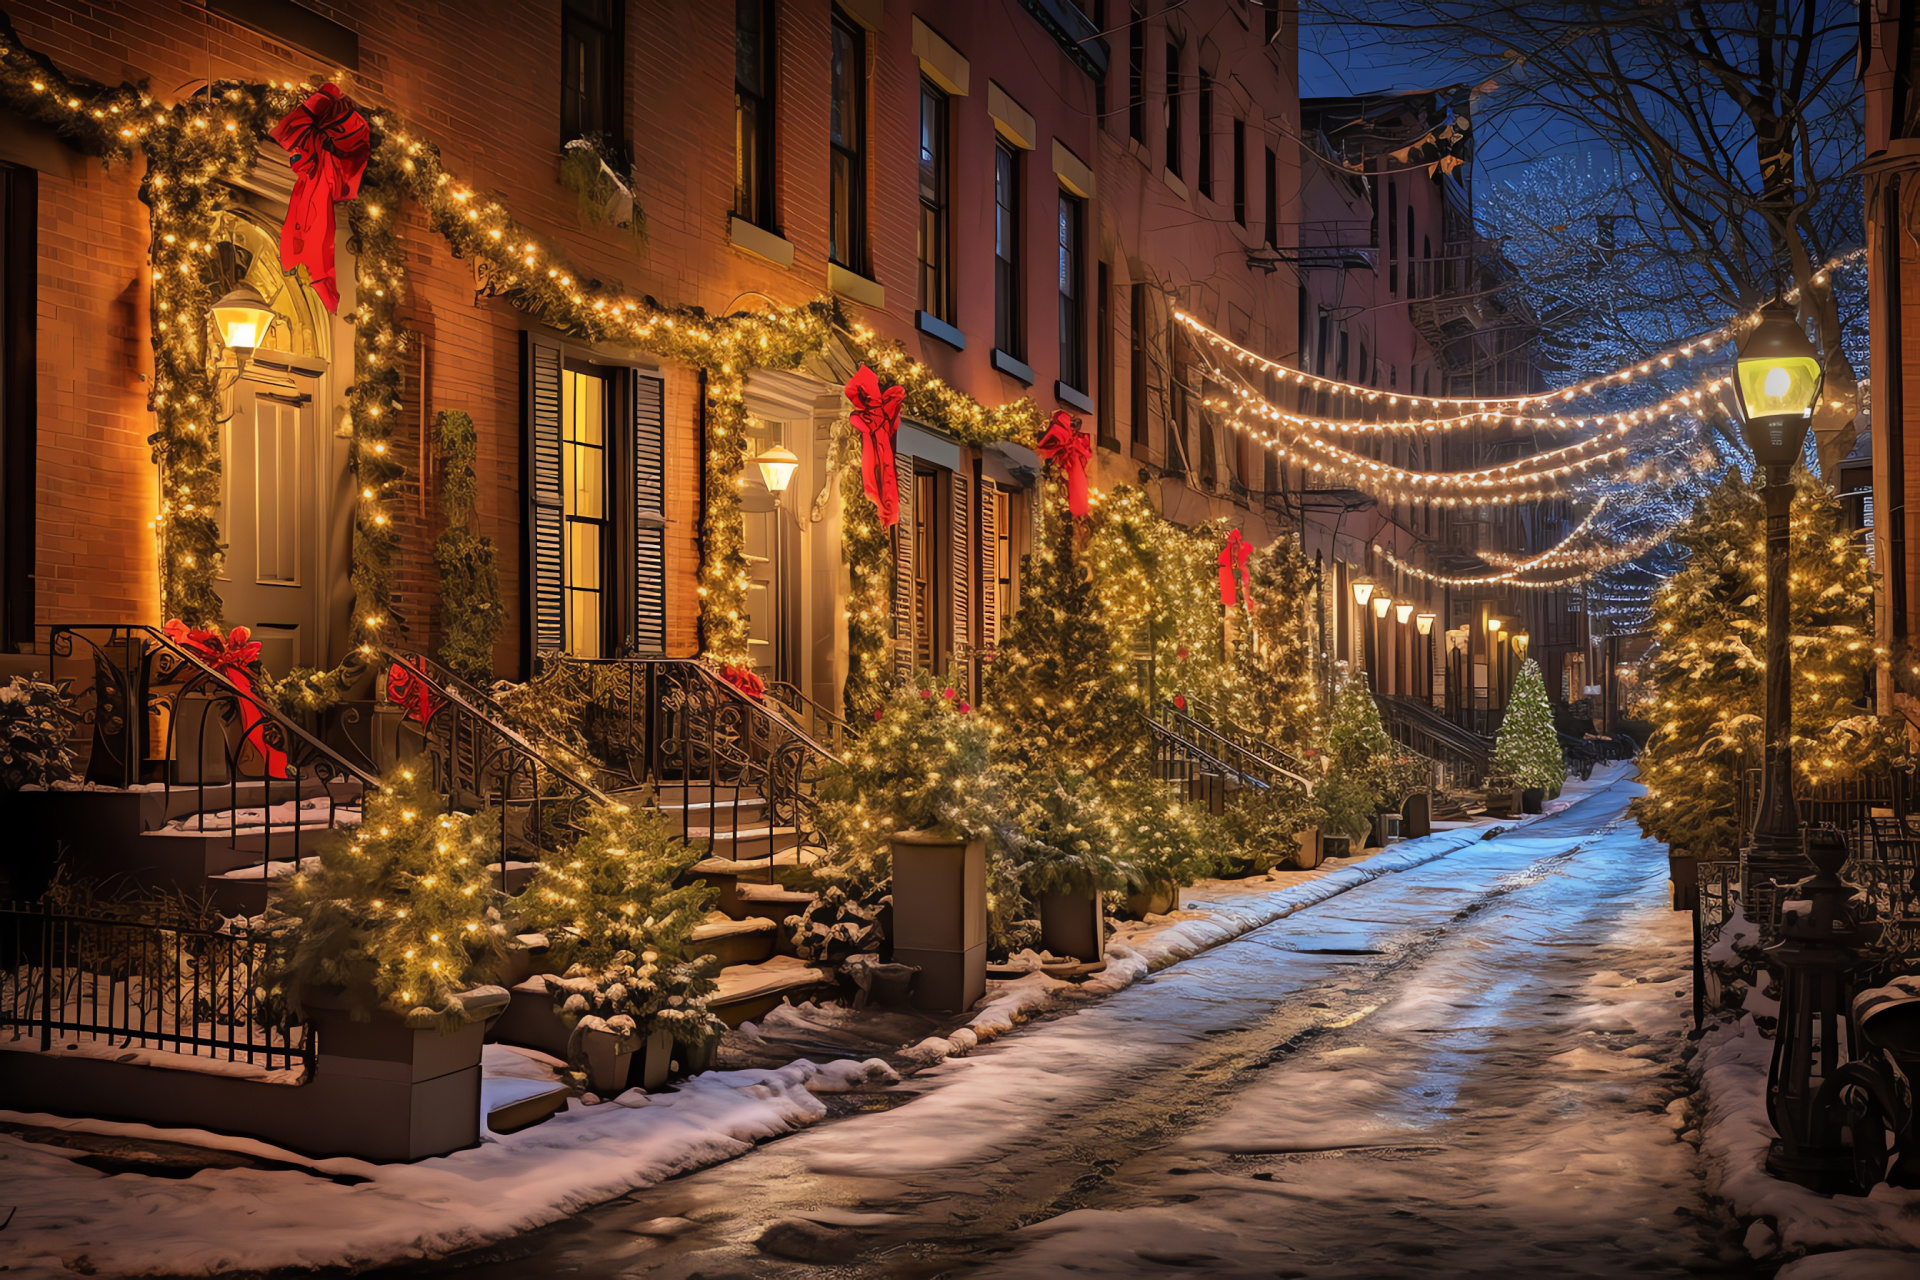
<point>1732,1069</point>
<point>70,1218</point>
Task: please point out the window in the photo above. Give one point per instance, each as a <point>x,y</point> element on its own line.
<point>1073,305</point>
<point>1206,134</point>
<point>1137,368</point>
<point>1172,109</point>
<point>1103,356</point>
<point>1393,238</point>
<point>583,473</point>
<point>1177,438</point>
<point>929,613</point>
<point>1273,200</point>
<point>847,223</point>
<point>1006,250</point>
<point>1269,20</point>
<point>590,63</point>
<point>1413,286</point>
<point>753,112</point>
<point>1240,172</point>
<point>934,293</point>
<point>1137,74</point>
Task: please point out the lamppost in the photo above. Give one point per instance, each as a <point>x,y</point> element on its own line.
<point>1362,593</point>
<point>1424,622</point>
<point>1777,380</point>
<point>1379,677</point>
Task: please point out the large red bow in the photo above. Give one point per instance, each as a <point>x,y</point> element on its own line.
<point>406,688</point>
<point>877,414</point>
<point>745,680</point>
<point>1070,449</point>
<point>1233,558</point>
<point>232,658</point>
<point>330,143</point>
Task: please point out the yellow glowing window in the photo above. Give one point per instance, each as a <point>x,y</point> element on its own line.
<point>583,468</point>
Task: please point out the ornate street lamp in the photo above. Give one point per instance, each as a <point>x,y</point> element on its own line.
<point>1424,621</point>
<point>242,318</point>
<point>1777,381</point>
<point>1362,591</point>
<point>1381,604</point>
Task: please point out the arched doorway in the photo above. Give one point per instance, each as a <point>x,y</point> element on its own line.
<point>281,472</point>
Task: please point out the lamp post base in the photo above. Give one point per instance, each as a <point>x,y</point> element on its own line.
<point>1827,1170</point>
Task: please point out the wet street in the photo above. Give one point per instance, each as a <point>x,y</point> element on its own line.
<point>1462,1069</point>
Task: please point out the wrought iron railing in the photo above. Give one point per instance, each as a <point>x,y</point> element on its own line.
<point>1205,715</point>
<point>737,771</point>
<point>813,718</point>
<point>1415,725</point>
<point>155,712</point>
<point>84,982</point>
<point>480,762</point>
<point>1231,752</point>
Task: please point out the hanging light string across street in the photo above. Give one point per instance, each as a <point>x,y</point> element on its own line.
<point>1701,345</point>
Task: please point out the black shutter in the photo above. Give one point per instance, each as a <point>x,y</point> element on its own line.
<point>545,507</point>
<point>649,514</point>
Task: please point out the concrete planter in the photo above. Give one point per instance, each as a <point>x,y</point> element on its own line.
<point>1386,827</point>
<point>656,1060</point>
<point>1071,924</point>
<point>609,1059</point>
<point>1157,901</point>
<point>1684,872</point>
<point>940,916</point>
<point>1416,816</point>
<point>1533,799</point>
<point>1307,852</point>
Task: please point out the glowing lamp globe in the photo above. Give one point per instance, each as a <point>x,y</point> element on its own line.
<point>1493,624</point>
<point>1777,380</point>
<point>1424,621</point>
<point>1401,612</point>
<point>1362,591</point>
<point>777,466</point>
<point>1520,642</point>
<point>1380,606</point>
<point>243,319</point>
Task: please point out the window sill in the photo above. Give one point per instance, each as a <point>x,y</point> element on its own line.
<point>1174,184</point>
<point>1011,367</point>
<point>855,287</point>
<point>760,242</point>
<point>934,327</point>
<point>1069,396</point>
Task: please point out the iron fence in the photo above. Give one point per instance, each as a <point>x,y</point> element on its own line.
<point>80,981</point>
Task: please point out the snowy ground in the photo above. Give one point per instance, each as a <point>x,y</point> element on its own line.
<point>1462,1066</point>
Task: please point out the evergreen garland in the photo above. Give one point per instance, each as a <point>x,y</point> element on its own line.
<point>1528,747</point>
<point>471,611</point>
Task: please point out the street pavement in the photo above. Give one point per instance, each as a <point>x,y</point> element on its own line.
<point>1467,1068</point>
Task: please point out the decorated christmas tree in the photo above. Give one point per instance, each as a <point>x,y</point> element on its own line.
<point>1710,621</point>
<point>1283,697</point>
<point>1528,748</point>
<point>402,911</point>
<point>1363,761</point>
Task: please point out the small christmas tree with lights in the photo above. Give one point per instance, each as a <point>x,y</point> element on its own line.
<point>1528,748</point>
<point>1706,700</point>
<point>1362,759</point>
<point>400,912</point>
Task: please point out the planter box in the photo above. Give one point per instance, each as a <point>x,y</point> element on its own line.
<point>1684,873</point>
<point>1308,852</point>
<point>1533,800</point>
<point>610,1060</point>
<point>940,917</point>
<point>1334,846</point>
<point>398,1093</point>
<point>1071,924</point>
<point>1155,901</point>
<point>1416,816</point>
<point>1386,827</point>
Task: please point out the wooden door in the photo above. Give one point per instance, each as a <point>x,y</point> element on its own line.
<point>274,520</point>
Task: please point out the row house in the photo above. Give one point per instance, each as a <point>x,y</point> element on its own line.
<point>1020,192</point>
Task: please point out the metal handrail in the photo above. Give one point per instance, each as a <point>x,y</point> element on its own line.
<point>132,664</point>
<point>479,761</point>
<point>1257,747</point>
<point>790,695</point>
<point>1221,745</point>
<point>675,723</point>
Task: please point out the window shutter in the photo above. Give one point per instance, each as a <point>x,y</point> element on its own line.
<point>545,507</point>
<point>904,630</point>
<point>649,513</point>
<point>960,557</point>
<point>989,573</point>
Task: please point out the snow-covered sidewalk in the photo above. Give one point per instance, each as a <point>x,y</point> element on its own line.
<point>1873,1237</point>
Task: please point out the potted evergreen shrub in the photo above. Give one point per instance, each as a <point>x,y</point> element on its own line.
<point>1528,748</point>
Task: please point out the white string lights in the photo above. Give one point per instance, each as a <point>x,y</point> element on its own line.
<point>1700,345</point>
<point>1262,406</point>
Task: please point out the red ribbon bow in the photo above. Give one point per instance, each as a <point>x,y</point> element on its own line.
<point>1070,449</point>
<point>877,414</point>
<point>330,143</point>
<point>231,658</point>
<point>745,680</point>
<point>1233,557</point>
<point>406,688</point>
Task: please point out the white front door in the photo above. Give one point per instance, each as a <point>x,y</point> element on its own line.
<point>272,460</point>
